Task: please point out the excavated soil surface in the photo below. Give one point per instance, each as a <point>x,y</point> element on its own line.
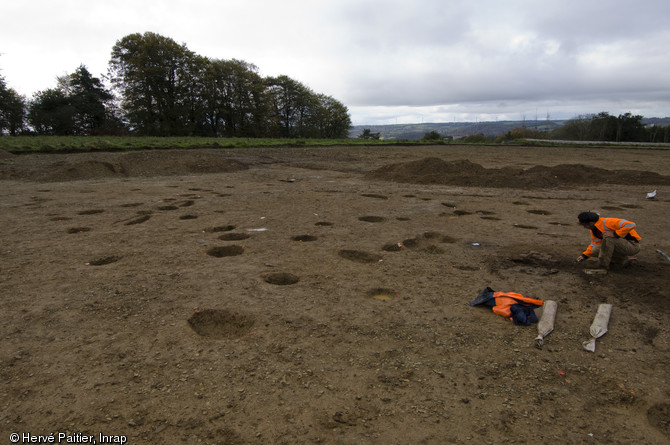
<point>320,295</point>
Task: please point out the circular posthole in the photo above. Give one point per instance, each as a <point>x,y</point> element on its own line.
<point>78,229</point>
<point>381,294</point>
<point>222,324</point>
<point>411,243</point>
<point>138,220</point>
<point>448,239</point>
<point>658,417</point>
<point>223,251</point>
<point>304,238</point>
<point>103,261</point>
<point>524,226</point>
<point>392,247</point>
<point>234,236</point>
<point>358,256</point>
<point>227,228</point>
<point>281,278</point>
<point>372,219</point>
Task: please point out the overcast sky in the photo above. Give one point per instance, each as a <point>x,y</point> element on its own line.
<point>388,61</point>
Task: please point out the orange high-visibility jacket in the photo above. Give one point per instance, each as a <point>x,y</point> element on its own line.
<point>622,227</point>
<point>505,301</point>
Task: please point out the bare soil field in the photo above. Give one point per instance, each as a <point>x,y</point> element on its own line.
<point>321,295</point>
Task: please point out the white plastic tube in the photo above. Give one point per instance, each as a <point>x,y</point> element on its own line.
<point>599,326</point>
<point>546,323</point>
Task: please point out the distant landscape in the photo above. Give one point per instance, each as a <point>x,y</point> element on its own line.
<point>458,130</point>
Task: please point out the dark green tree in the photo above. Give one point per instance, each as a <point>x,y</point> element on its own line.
<point>158,81</point>
<point>432,136</point>
<point>330,117</point>
<point>629,128</point>
<point>368,134</point>
<point>50,112</point>
<point>12,110</point>
<point>289,102</point>
<point>90,100</point>
<point>234,99</point>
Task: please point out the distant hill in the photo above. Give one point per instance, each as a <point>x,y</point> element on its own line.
<point>413,132</point>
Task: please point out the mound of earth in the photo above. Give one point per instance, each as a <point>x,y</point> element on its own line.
<point>147,163</point>
<point>465,173</point>
<point>5,154</point>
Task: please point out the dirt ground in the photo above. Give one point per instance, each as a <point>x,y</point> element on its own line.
<point>321,295</point>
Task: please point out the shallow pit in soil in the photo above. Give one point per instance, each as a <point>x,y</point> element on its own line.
<point>220,323</point>
<point>225,251</point>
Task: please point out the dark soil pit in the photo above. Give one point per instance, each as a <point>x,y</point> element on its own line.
<point>523,226</point>
<point>225,251</point>
<point>281,278</point>
<point>381,294</point>
<point>490,218</point>
<point>188,203</point>
<point>220,324</point>
<point>104,261</point>
<point>451,205</point>
<point>403,218</point>
<point>392,247</point>
<point>304,238</point>
<point>78,229</point>
<point>167,208</point>
<point>324,223</point>
<point>234,236</point>
<point>90,212</point>
<point>538,212</point>
<point>188,217</point>
<point>431,235</point>
<point>467,268</point>
<point>140,220</point>
<point>227,228</point>
<point>411,243</point>
<point>60,218</point>
<point>659,417</point>
<point>462,212</point>
<point>372,195</point>
<point>448,239</point>
<point>432,249</point>
<point>372,219</point>
<point>132,204</point>
<point>359,256</point>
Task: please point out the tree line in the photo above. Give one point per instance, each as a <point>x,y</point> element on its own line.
<point>160,88</point>
<point>602,127</point>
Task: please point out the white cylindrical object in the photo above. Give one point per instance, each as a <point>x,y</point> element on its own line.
<point>601,320</point>
<point>599,326</point>
<point>547,320</point>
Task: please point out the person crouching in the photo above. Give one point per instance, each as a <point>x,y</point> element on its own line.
<point>613,240</point>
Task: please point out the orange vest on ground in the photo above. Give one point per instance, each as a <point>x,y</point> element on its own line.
<point>622,227</point>
<point>505,301</point>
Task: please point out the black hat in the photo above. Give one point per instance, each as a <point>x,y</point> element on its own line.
<point>588,217</point>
